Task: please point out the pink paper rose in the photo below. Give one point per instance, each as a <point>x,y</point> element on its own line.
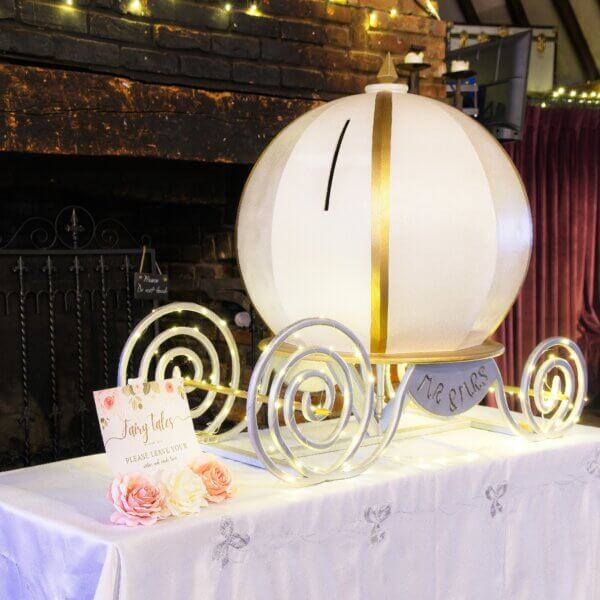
<point>138,500</point>
<point>108,402</point>
<point>216,477</point>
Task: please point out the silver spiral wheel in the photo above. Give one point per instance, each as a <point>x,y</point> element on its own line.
<point>308,453</point>
<point>558,401</point>
<point>158,363</point>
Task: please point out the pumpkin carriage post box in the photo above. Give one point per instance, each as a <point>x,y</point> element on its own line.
<point>385,236</point>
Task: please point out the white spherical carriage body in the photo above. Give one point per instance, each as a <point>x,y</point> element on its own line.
<point>392,213</point>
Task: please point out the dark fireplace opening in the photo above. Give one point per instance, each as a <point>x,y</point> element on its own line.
<point>68,304</point>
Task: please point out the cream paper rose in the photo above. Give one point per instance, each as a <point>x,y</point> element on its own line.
<point>185,492</point>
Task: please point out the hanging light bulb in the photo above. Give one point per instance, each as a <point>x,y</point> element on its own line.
<point>253,9</point>
<point>372,19</point>
<point>227,7</point>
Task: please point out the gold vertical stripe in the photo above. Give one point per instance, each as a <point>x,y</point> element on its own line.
<point>380,219</point>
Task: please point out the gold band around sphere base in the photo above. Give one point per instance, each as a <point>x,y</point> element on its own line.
<point>489,349</point>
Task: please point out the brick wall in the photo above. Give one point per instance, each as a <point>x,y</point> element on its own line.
<point>296,48</point>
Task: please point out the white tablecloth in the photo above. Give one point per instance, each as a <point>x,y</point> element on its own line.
<point>460,515</point>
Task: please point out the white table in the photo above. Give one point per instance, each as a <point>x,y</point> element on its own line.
<point>461,515</point>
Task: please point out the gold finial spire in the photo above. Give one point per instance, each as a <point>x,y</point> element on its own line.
<point>387,73</point>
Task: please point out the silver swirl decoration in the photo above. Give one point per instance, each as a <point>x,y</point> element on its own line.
<point>555,377</point>
<point>390,382</point>
<point>321,448</point>
<point>158,363</point>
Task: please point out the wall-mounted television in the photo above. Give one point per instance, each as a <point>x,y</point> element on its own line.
<point>501,69</point>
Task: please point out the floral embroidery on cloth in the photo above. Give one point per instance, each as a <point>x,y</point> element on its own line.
<point>232,540</point>
<point>493,494</point>
<point>376,516</point>
<point>593,465</point>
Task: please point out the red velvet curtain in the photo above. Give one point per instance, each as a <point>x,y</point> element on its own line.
<point>559,161</point>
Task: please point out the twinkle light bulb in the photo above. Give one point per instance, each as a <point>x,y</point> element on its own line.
<point>393,12</point>
<point>555,388</point>
<point>372,19</point>
<point>228,7</point>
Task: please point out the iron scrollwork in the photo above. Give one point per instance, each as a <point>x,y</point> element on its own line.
<point>73,228</point>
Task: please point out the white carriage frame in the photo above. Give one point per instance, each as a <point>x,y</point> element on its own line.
<point>366,424</point>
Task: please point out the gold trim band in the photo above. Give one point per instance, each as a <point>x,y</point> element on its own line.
<point>228,391</point>
<point>380,219</point>
<point>489,349</point>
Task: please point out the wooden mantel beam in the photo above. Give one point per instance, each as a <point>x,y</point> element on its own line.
<point>55,111</point>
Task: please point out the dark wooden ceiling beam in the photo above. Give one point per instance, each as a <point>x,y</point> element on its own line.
<point>469,13</point>
<point>582,50</point>
<point>517,13</point>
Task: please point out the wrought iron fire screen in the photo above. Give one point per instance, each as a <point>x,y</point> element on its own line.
<point>66,307</point>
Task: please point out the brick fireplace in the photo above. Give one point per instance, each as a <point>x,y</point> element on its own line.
<point>152,112</point>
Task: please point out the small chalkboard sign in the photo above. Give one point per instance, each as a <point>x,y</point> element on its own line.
<point>150,286</point>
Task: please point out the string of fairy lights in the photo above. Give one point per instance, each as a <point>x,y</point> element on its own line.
<point>253,8</point>
<point>571,97</point>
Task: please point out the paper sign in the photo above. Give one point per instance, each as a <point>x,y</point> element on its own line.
<point>146,426</point>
